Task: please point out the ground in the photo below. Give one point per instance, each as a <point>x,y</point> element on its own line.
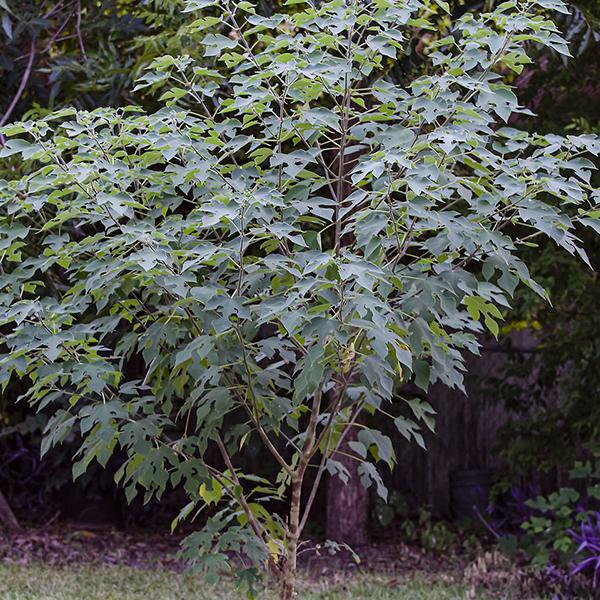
<point>36,582</point>
<point>60,563</point>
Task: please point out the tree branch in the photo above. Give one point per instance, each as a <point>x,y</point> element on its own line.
<point>21,88</point>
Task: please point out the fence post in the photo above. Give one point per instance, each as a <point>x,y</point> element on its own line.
<point>7,517</point>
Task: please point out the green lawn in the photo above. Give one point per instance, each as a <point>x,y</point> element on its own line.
<point>121,583</point>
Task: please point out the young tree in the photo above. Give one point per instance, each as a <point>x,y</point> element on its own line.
<point>283,258</point>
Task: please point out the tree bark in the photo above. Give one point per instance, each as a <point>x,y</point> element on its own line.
<point>294,527</point>
<point>288,591</point>
<point>347,503</point>
<point>7,517</point>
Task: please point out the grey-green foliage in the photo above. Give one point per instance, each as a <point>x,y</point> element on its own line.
<point>282,245</point>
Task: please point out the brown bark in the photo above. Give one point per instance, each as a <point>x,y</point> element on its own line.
<point>347,503</point>
<point>7,517</point>
<point>288,591</point>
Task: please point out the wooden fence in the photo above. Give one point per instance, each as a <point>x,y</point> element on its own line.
<point>466,432</point>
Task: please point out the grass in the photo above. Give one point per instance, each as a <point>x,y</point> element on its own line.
<point>38,582</point>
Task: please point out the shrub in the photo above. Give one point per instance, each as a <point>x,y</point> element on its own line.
<point>557,534</point>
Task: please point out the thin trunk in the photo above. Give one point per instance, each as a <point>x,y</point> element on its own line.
<point>347,503</point>
<point>7,517</point>
<point>294,528</point>
<point>288,591</point>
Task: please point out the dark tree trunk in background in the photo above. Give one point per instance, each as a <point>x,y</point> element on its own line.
<point>347,503</point>
<point>7,517</point>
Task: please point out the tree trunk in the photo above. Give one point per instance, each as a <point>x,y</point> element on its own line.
<point>7,517</point>
<point>288,589</point>
<point>347,503</point>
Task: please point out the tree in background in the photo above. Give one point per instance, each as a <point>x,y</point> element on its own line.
<point>561,89</point>
<point>282,258</point>
<point>84,53</point>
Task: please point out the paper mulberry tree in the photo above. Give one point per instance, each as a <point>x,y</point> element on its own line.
<point>290,239</point>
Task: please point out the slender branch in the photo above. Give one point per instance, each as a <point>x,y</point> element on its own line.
<point>56,34</point>
<point>21,88</point>
<point>79,36</point>
<point>342,150</point>
<point>256,526</point>
<point>261,431</point>
<point>321,469</point>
